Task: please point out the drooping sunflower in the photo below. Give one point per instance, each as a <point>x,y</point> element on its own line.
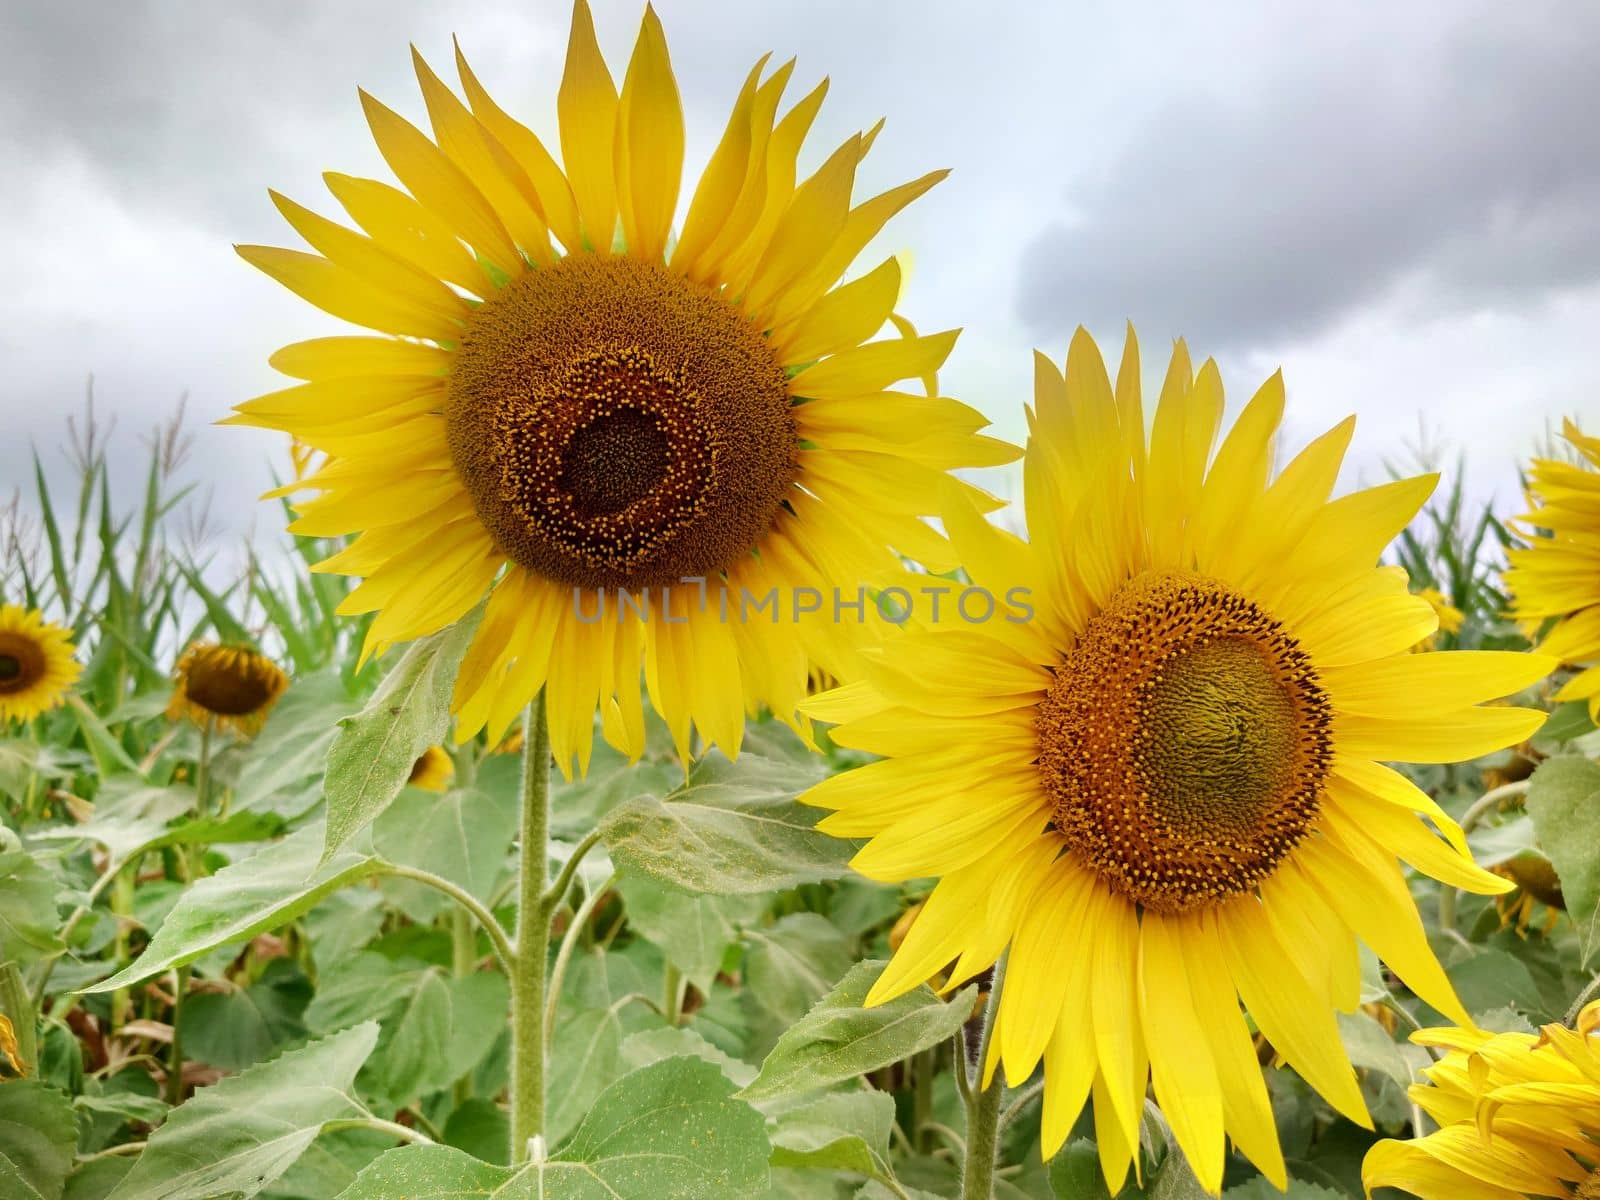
<point>572,404</point>
<point>1163,788</point>
<point>1559,575</point>
<point>225,687</point>
<point>36,663</point>
<point>1519,1117</point>
<point>433,771</point>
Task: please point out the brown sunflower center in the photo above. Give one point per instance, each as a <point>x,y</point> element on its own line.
<point>618,425</point>
<point>1589,1189</point>
<point>230,682</point>
<point>1184,741</point>
<point>22,663</point>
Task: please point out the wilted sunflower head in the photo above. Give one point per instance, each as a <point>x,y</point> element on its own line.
<point>572,403</point>
<point>36,664</point>
<point>433,771</point>
<point>1159,781</point>
<point>225,687</point>
<point>1557,573</point>
<point>1518,1116</point>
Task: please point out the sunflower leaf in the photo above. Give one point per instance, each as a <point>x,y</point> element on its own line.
<point>839,1039</point>
<point>1564,801</point>
<point>38,1133</point>
<point>249,897</point>
<point>375,749</point>
<point>239,1135</point>
<point>732,829</point>
<point>672,1130</point>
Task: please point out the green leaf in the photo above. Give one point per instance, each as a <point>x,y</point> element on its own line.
<point>847,1132</point>
<point>1075,1175</point>
<point>693,931</point>
<point>674,1041</point>
<point>411,1063</point>
<point>1494,979</point>
<point>28,916</point>
<point>598,1009</point>
<point>463,836</point>
<point>669,1131</point>
<point>241,1026</point>
<point>481,1128</point>
<point>109,755</point>
<point>838,1039</point>
<point>1370,1047</point>
<point>278,766</point>
<point>38,1134</point>
<point>373,754</point>
<point>733,828</point>
<point>788,967</point>
<point>126,837</point>
<point>1564,801</point>
<point>254,895</point>
<point>1262,1188</point>
<point>237,1136</point>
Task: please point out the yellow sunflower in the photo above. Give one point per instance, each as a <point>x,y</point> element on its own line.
<point>1519,1117</point>
<point>1559,575</point>
<point>573,404</point>
<point>433,771</point>
<point>1163,788</point>
<point>36,663</point>
<point>226,687</point>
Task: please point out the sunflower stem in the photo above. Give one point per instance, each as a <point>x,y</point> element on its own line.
<point>983,1107</point>
<point>1588,994</point>
<point>533,938</point>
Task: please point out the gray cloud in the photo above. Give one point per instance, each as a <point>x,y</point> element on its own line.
<point>1458,153</point>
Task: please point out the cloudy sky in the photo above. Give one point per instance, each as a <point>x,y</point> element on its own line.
<point>1400,204</point>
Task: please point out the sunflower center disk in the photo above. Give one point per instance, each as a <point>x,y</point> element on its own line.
<point>22,663</point>
<point>1589,1189</point>
<point>619,426</point>
<point>224,682</point>
<point>1184,741</point>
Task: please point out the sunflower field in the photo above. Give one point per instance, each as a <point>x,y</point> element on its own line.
<point>649,768</point>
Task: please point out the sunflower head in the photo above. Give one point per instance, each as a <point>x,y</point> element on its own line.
<point>433,771</point>
<point>36,664</point>
<point>620,429</point>
<point>1556,574</point>
<point>225,687</point>
<point>1518,1115</point>
<point>1162,794</point>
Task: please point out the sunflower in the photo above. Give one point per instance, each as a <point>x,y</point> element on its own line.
<point>1559,575</point>
<point>580,411</point>
<point>1519,1117</point>
<point>1158,780</point>
<point>36,663</point>
<point>225,687</point>
<point>433,771</point>
<point>1536,883</point>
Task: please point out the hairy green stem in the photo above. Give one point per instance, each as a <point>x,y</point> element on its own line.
<point>533,938</point>
<point>983,1107</point>
<point>1588,994</point>
<point>469,904</point>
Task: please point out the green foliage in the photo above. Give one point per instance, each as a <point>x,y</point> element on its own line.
<point>343,1023</point>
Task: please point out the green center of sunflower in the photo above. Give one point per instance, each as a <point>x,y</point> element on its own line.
<point>1184,741</point>
<point>22,663</point>
<point>618,425</point>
